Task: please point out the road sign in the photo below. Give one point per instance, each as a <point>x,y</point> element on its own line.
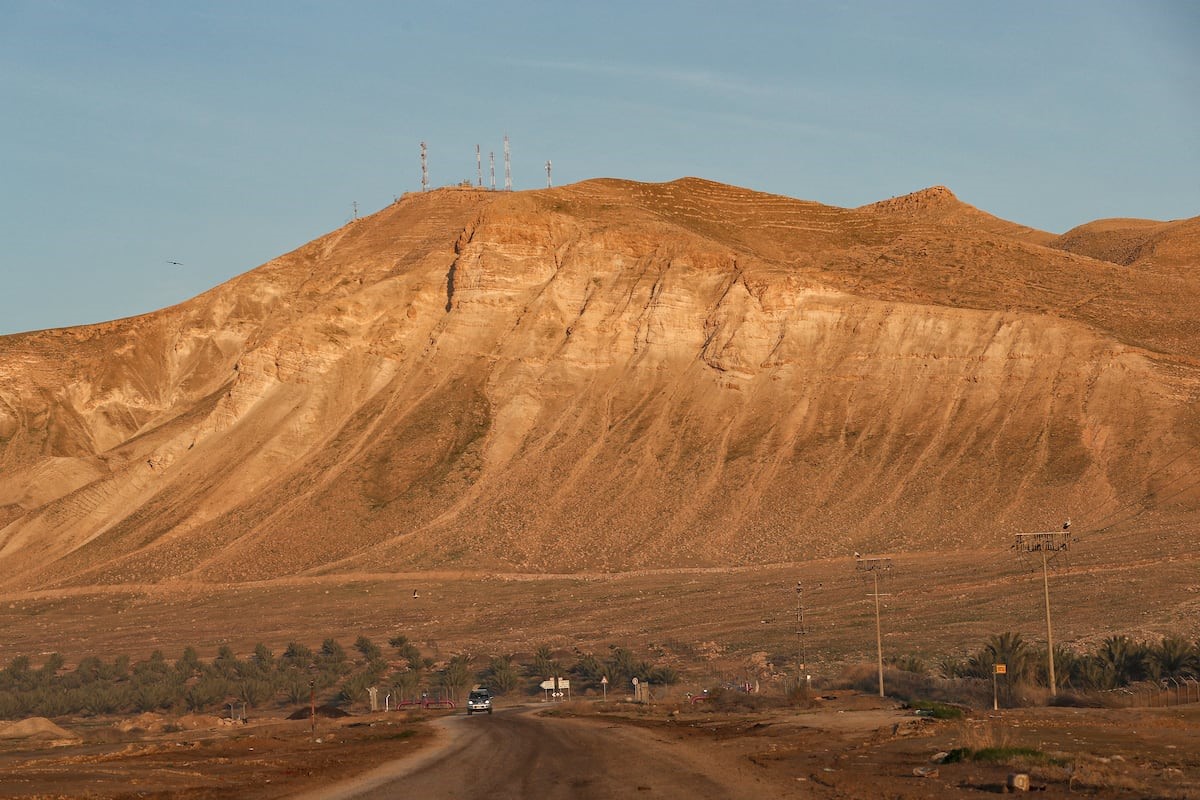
<point>604,681</point>
<point>1001,669</point>
<point>635,681</point>
<point>547,684</point>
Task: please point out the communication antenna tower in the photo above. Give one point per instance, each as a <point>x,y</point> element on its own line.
<point>507,166</point>
<point>424,170</point>
<point>355,204</point>
<point>549,183</point>
<point>876,568</point>
<point>1050,545</point>
<point>492,163</point>
<point>478,168</point>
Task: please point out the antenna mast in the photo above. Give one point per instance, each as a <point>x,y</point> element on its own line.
<point>492,161</point>
<point>424,170</point>
<point>507,166</point>
<point>549,183</point>
<point>801,632</point>
<point>478,168</point>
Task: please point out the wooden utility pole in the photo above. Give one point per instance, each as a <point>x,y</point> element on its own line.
<point>874,567</point>
<point>1049,545</point>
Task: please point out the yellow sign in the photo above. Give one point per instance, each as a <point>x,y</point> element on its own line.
<point>1001,669</point>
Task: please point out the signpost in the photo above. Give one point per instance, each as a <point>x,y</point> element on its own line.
<point>557,687</point>
<point>998,669</point>
<point>604,687</point>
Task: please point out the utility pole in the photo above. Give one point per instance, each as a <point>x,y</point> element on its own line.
<point>1048,545</point>
<point>875,567</point>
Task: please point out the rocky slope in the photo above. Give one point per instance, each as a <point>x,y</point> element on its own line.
<point>610,375</point>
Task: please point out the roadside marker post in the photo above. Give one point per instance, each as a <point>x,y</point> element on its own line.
<point>998,669</point>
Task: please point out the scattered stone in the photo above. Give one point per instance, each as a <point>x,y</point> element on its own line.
<point>926,772</point>
<point>939,757</point>
<point>1017,782</point>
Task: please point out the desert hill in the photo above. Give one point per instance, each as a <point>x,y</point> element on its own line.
<point>607,376</point>
<point>1141,242</point>
<point>939,204</point>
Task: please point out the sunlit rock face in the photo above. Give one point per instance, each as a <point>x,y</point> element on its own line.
<point>612,376</point>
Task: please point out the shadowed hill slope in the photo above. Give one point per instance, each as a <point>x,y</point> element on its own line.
<point>609,375</point>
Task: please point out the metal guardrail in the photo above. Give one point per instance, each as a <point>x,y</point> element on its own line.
<point>427,702</point>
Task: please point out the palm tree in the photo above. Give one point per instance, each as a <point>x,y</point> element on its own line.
<point>456,677</point>
<point>1091,673</point>
<point>1174,657</point>
<point>544,665</point>
<point>1007,648</point>
<point>502,675</point>
<point>1069,668</point>
<point>1125,661</point>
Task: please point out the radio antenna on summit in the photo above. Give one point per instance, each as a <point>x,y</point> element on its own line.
<point>478,168</point>
<point>492,163</point>
<point>424,170</point>
<point>549,183</point>
<point>507,166</point>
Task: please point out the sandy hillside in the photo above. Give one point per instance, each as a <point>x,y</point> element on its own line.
<point>613,375</point>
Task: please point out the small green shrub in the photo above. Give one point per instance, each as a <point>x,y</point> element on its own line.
<point>938,710</point>
<point>1001,755</point>
<point>995,755</point>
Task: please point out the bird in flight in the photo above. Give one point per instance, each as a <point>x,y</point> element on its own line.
<point>176,263</point>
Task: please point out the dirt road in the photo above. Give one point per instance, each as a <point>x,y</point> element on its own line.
<point>516,753</point>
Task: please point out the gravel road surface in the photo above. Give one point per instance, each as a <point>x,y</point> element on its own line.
<point>516,753</point>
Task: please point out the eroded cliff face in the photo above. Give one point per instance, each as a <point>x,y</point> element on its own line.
<point>604,376</point>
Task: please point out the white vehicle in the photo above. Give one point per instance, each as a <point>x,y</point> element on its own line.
<point>479,701</point>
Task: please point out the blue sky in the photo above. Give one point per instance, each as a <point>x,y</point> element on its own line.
<point>222,134</point>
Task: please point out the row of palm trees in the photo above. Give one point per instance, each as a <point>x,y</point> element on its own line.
<point>1117,661</point>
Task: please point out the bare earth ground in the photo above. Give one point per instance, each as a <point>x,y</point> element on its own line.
<point>707,622</point>
<point>850,746</point>
<point>704,621</point>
